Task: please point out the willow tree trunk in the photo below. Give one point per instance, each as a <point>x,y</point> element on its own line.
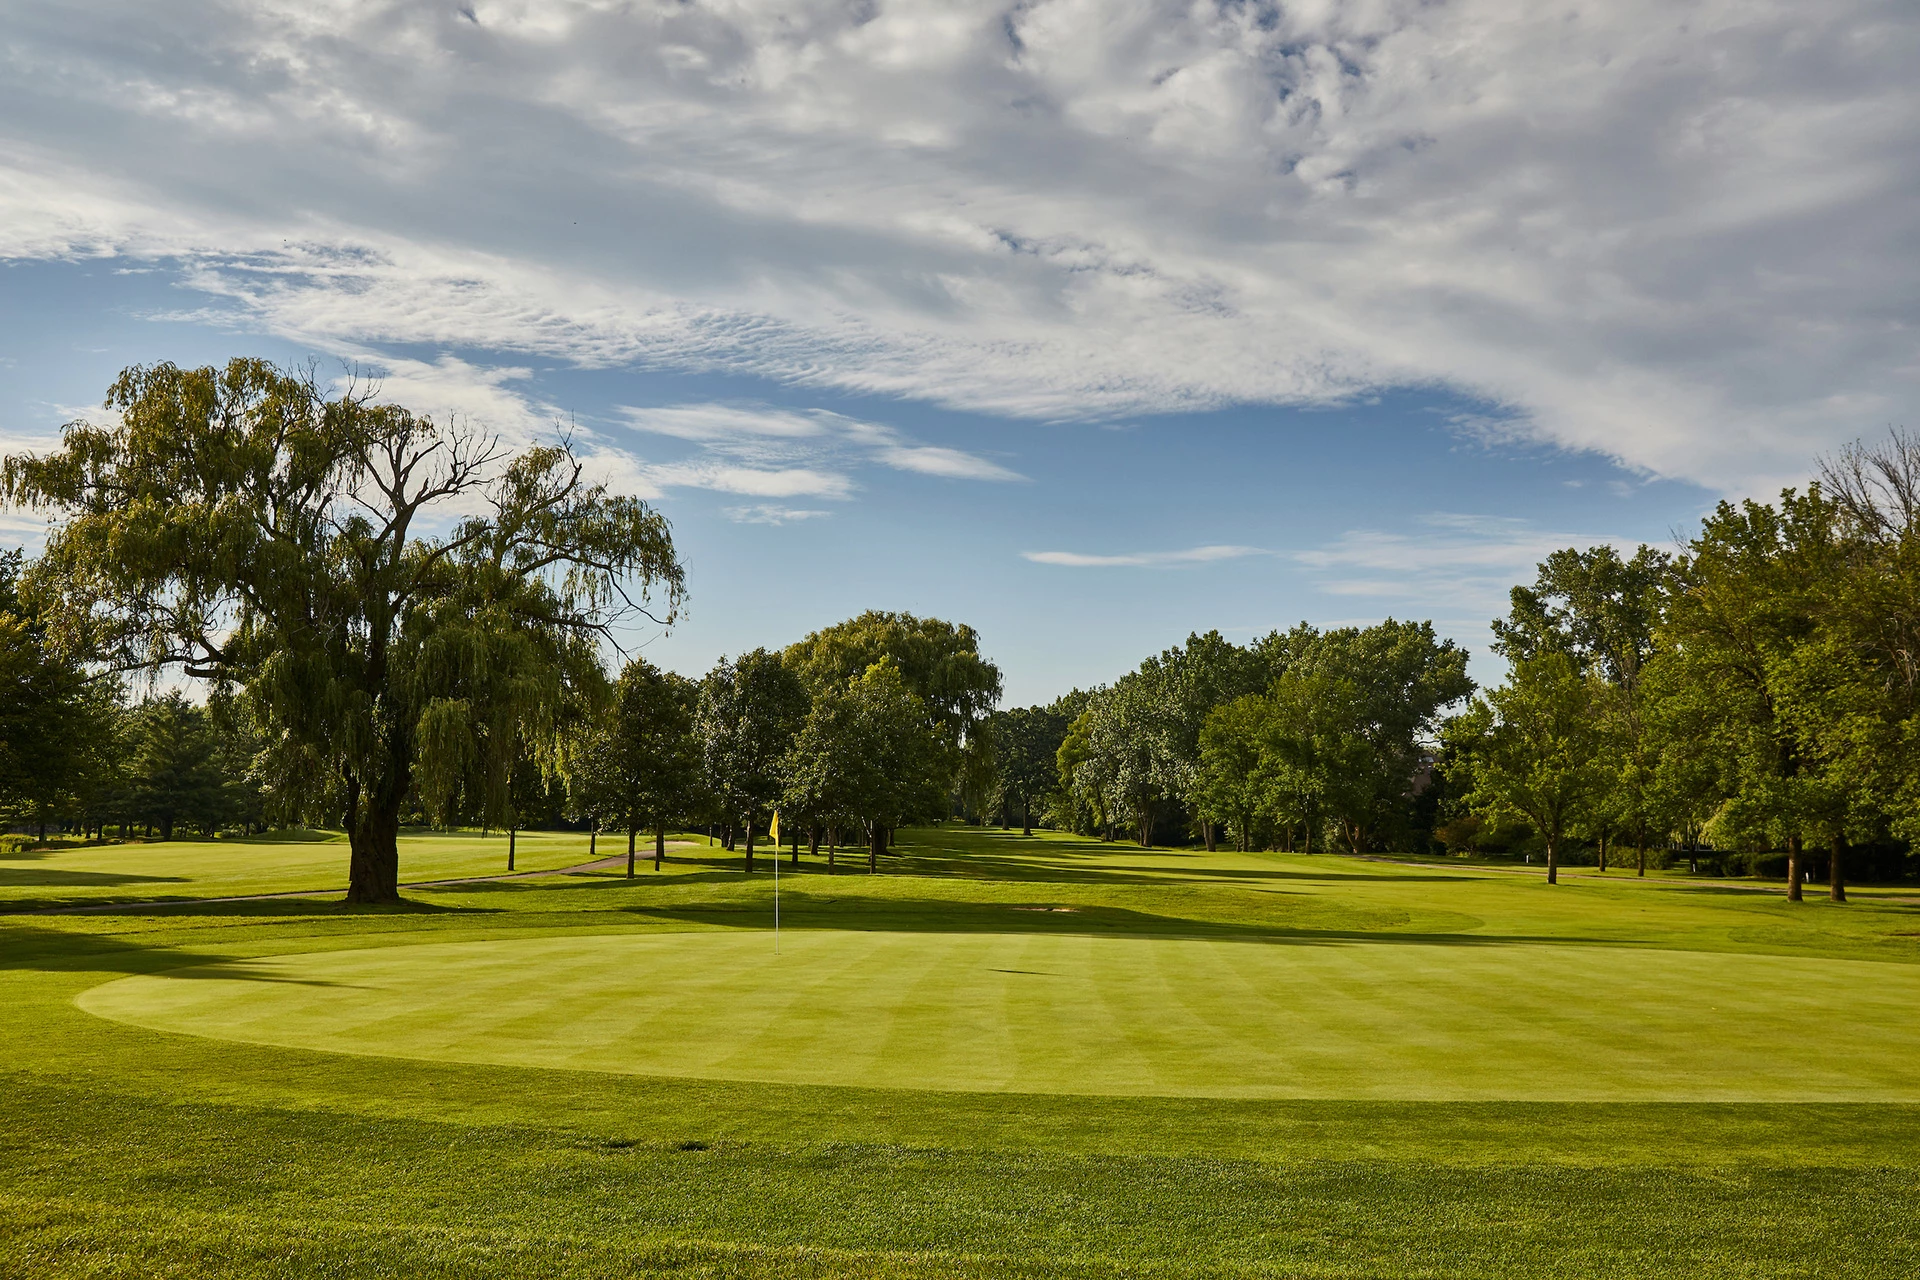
<point>1793,869</point>
<point>373,838</point>
<point>1836,874</point>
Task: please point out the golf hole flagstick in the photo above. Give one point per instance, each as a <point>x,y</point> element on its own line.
<point>773,838</point>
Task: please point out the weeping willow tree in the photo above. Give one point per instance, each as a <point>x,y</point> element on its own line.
<point>407,607</point>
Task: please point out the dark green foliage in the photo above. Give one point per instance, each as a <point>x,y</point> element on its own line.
<point>238,525</point>
<point>641,765</point>
<point>749,713</point>
<point>1026,744</point>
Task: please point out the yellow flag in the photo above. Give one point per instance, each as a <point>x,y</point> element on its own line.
<point>773,831</point>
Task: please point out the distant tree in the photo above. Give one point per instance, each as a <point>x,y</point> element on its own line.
<point>1086,775</point>
<point>240,526</point>
<point>865,754</point>
<point>1749,596</point>
<point>1026,748</point>
<point>750,711</point>
<point>1233,753</point>
<point>175,775</point>
<point>1183,686</point>
<point>56,724</point>
<point>1535,748</point>
<point>642,767</point>
<point>1601,611</point>
<point>938,661</point>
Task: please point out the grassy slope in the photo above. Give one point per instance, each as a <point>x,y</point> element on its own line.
<point>185,870</point>
<point>127,1151</point>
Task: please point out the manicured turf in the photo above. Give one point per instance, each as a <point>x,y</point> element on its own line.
<point>1086,1014</point>
<point>186,870</point>
<point>130,1150</point>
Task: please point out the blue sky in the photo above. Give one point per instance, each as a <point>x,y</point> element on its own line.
<point>1088,325</point>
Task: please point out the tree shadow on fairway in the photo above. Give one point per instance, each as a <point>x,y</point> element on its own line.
<point>1040,871</point>
<point>26,947</point>
<point>320,903</point>
<point>55,877</point>
<point>802,909</point>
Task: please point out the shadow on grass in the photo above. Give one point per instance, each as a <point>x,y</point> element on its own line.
<point>321,904</point>
<point>807,910</point>
<point>52,878</point>
<point>61,951</point>
<point>1040,866</point>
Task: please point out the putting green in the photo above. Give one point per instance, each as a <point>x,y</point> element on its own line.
<point>1085,1014</point>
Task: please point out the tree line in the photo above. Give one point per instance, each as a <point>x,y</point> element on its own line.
<point>1752,696</point>
<point>1748,701</point>
<point>1301,739</point>
<point>403,620</point>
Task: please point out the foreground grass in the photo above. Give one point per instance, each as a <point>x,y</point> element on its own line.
<point>131,1151</point>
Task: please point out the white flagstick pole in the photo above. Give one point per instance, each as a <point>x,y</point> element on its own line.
<point>776,899</point>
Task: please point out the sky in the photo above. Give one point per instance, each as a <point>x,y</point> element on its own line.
<point>1088,324</point>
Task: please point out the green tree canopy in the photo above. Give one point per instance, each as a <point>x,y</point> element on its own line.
<point>938,661</point>
<point>312,553</point>
<point>750,711</point>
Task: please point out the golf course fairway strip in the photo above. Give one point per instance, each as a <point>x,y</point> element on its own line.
<point>1080,1014</point>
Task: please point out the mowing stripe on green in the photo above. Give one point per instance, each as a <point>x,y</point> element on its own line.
<point>1052,1013</point>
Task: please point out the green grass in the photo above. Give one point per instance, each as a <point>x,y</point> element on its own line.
<point>188,870</point>
<point>1214,1065</point>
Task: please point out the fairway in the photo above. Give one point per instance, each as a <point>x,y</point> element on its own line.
<point>1086,1014</point>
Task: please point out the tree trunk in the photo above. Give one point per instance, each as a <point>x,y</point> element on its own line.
<point>1553,859</point>
<point>513,836</point>
<point>749,835</point>
<point>373,843</point>
<point>1143,824</point>
<point>833,846</point>
<point>1640,854</point>
<point>1793,869</point>
<point>875,845</point>
<point>631,833</point>
<point>659,844</point>
<point>1836,875</point>
<point>1026,816</point>
<point>813,841</point>
<point>1206,832</point>
<point>593,844</point>
<point>1603,853</point>
<point>795,859</point>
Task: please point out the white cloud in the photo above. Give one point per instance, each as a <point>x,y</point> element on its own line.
<point>1676,234</point>
<point>764,434</point>
<point>935,461</point>
<point>1141,559</point>
<point>786,482</point>
<point>766,513</point>
<point>1460,573</point>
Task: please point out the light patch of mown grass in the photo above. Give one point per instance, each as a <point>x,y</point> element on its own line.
<point>126,1151</point>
